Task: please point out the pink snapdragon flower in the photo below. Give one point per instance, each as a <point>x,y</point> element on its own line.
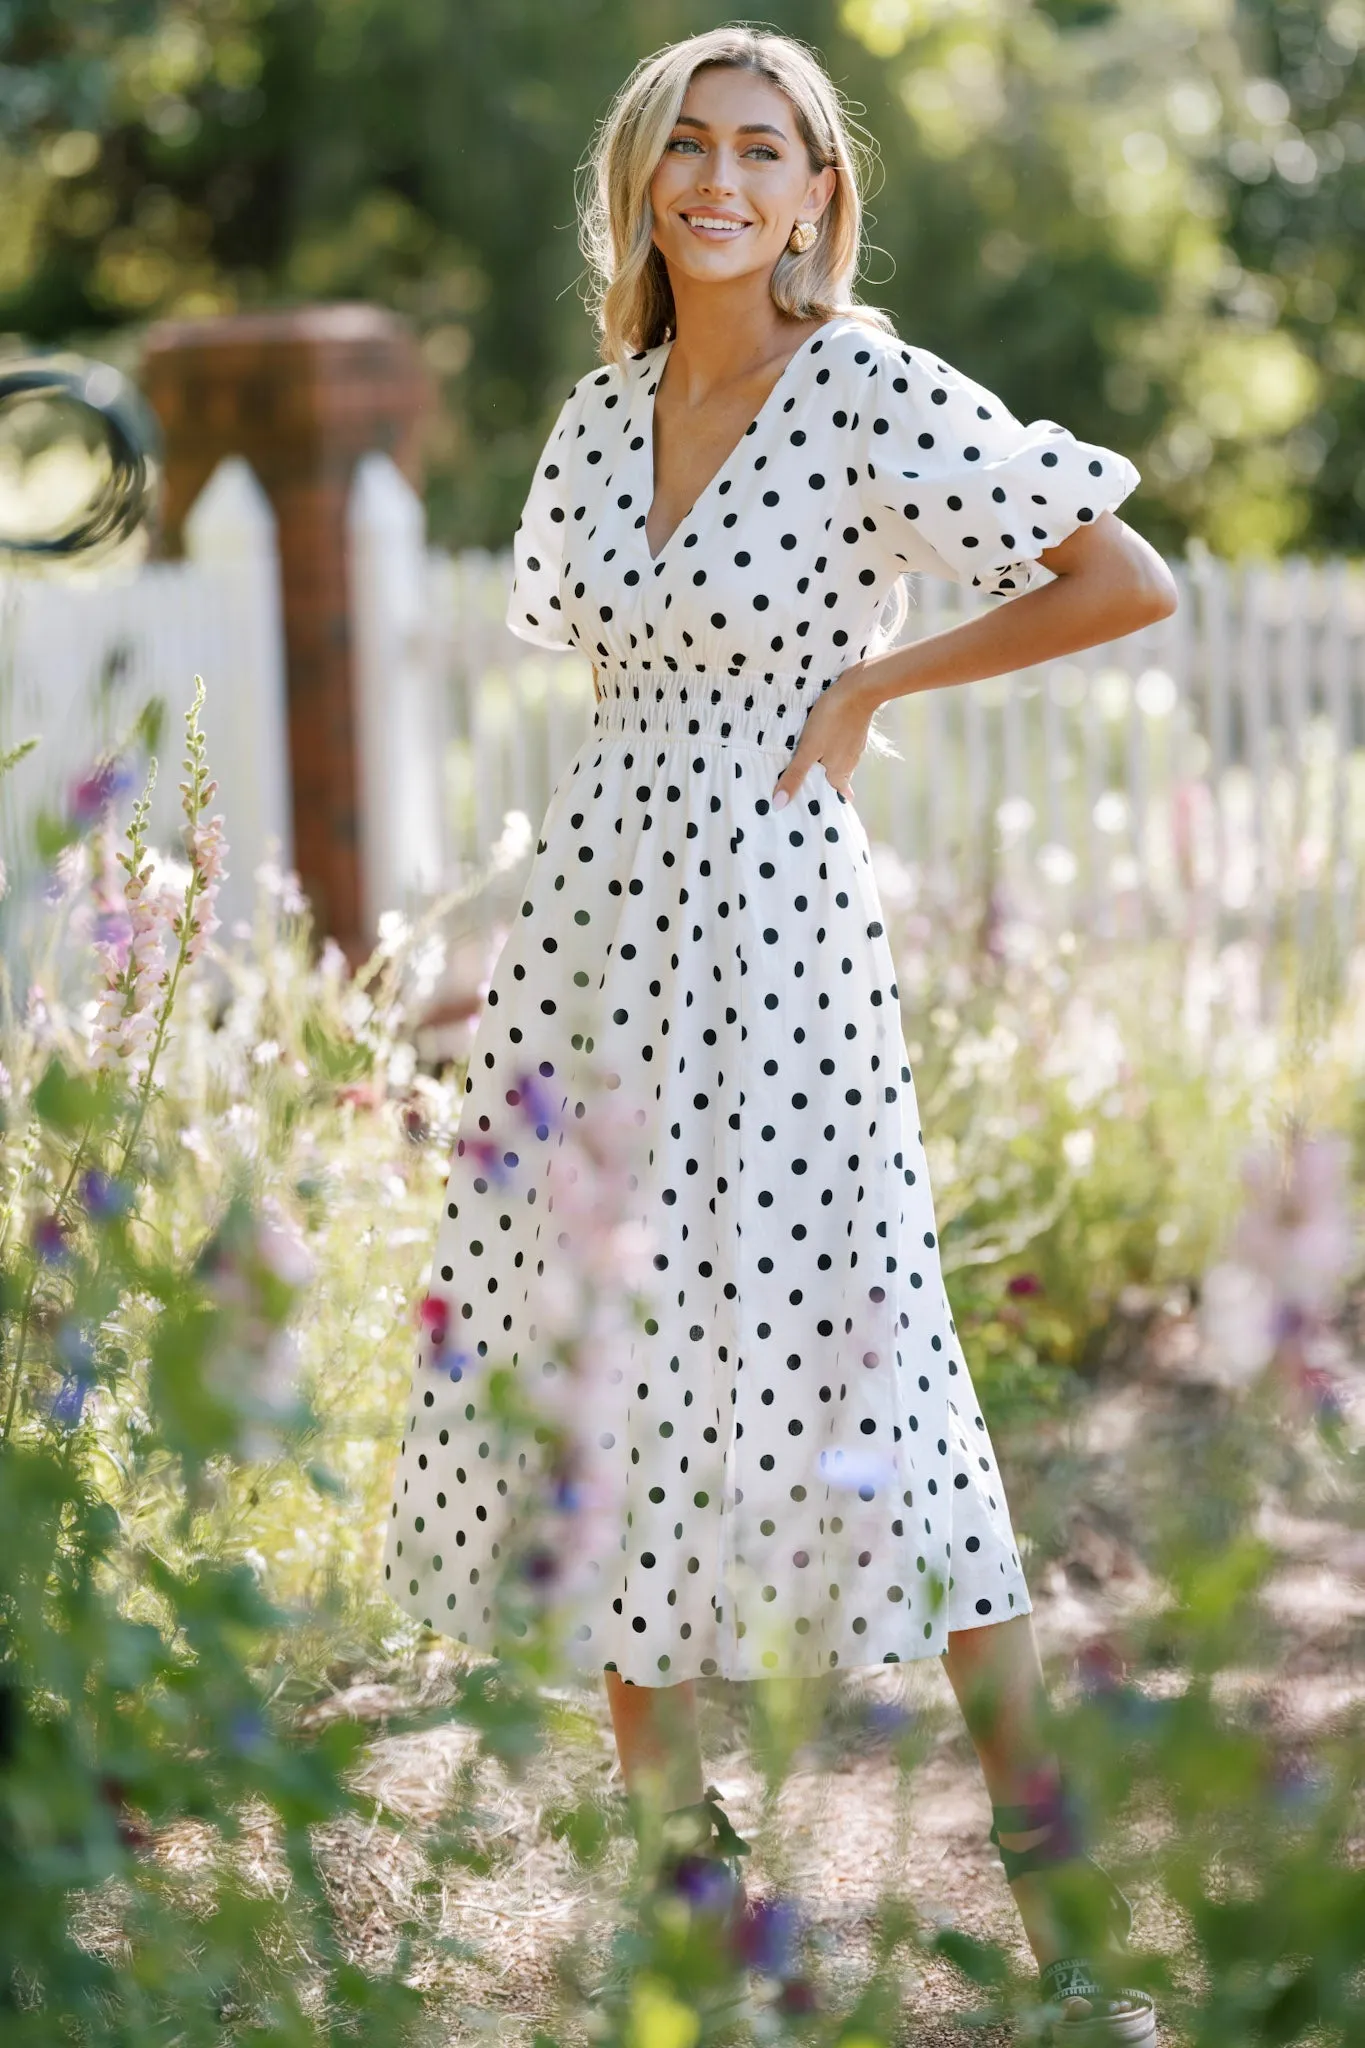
<point>208,848</point>
<point>125,1024</point>
<point>1296,1227</point>
<point>1270,1301</point>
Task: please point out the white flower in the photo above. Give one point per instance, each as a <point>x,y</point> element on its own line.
<point>277,1380</point>
<point>1078,1149</point>
<point>356,1010</point>
<point>394,930</point>
<point>71,870</point>
<point>283,1250</point>
<point>167,873</point>
<point>402,1065</point>
<point>1236,1322</point>
<point>512,842</point>
<point>282,886</point>
<point>426,965</point>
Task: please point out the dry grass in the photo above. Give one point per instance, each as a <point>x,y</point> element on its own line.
<point>850,1828</point>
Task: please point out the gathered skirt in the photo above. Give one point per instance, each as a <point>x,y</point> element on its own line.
<point>804,1476</point>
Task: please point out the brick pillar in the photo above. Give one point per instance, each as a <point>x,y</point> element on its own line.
<point>302,395</point>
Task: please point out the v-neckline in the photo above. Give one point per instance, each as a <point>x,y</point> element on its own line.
<point>710,485</point>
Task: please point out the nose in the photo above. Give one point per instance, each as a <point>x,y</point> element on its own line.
<point>721,177</point>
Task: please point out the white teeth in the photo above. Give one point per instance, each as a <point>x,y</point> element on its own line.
<point>706,220</point>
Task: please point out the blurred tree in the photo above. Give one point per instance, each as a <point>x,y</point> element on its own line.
<point>1148,209</point>
<point>1139,216</point>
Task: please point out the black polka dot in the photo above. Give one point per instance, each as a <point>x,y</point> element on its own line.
<point>797,1401</point>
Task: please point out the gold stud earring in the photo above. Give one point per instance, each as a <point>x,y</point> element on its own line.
<point>803,236</point>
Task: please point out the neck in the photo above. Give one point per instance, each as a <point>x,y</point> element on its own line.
<point>727,332</point>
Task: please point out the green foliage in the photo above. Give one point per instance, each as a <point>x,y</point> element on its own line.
<point>144,1360</point>
<point>1138,218</point>
<point>215,1207</point>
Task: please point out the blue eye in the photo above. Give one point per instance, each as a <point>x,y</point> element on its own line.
<point>766,146</point>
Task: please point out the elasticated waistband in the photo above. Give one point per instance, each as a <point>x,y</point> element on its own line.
<point>682,704</point>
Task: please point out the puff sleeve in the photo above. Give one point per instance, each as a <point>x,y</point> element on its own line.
<point>959,487</point>
<point>534,609</point>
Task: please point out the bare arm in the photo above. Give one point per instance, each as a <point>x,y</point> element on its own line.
<point>1109,582</point>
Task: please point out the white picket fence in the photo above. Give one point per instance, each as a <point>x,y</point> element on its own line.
<point>80,655</point>
<point>1209,770</point>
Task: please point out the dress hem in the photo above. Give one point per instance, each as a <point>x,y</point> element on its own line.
<point>587,1675</point>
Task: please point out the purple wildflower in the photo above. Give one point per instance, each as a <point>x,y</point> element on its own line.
<point>1024,1284</point>
<point>541,1110</point>
<point>566,1497</point>
<point>705,1882</point>
<point>1288,1321</point>
<point>489,1157</point>
<point>49,1240</point>
<point>888,1717</point>
<point>453,1362</point>
<point>541,1567</point>
<point>1103,1677</point>
<point>74,1347</point>
<point>77,1354</point>
<point>766,1936</point>
<point>247,1731</point>
<point>103,1196</point>
<point>857,1470</point>
<point>68,1403</point>
<point>1295,1787</point>
<point>1323,1393</point>
<point>90,796</point>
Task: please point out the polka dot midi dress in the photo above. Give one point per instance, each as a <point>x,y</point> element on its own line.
<point>808,1481</point>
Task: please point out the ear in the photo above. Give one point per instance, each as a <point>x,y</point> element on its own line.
<point>819,193</point>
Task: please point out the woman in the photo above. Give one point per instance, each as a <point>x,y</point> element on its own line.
<point>716,521</point>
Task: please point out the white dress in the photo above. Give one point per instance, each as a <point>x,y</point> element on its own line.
<point>805,1466</point>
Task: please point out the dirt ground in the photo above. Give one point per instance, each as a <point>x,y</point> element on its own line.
<point>851,1826</point>
<point>857,1823</point>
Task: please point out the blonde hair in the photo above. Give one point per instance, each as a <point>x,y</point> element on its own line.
<point>629,293</point>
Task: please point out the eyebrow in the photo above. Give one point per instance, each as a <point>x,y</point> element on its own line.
<point>746,128</point>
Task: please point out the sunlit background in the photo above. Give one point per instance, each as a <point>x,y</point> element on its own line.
<point>1140,218</point>
<point>241,1795</point>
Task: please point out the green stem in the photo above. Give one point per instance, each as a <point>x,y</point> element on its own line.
<point>18,1374</point>
<point>18,1377</point>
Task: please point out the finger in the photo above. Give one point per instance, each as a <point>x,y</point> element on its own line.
<point>785,789</point>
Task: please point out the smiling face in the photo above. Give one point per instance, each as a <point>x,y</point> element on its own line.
<point>733,179</point>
